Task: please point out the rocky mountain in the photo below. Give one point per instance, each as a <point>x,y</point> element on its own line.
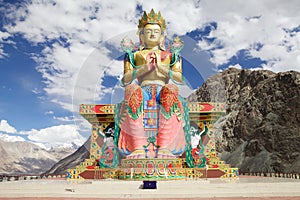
<point>71,161</point>
<point>261,130</point>
<point>23,157</point>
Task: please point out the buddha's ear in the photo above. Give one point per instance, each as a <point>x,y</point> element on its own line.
<point>141,37</point>
<point>162,42</point>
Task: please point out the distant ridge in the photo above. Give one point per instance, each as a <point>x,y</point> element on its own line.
<point>22,157</point>
<point>72,160</point>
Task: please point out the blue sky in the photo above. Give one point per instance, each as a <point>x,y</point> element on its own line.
<point>55,55</point>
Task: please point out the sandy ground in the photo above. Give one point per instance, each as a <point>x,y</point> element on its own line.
<point>217,189</point>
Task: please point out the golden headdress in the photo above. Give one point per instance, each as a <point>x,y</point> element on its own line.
<point>152,18</point>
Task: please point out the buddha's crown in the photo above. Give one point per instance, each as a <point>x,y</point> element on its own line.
<point>152,18</point>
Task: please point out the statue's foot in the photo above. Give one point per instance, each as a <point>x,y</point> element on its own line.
<point>137,154</point>
<point>165,153</point>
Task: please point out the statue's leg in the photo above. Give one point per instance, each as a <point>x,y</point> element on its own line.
<point>132,135</point>
<point>170,139</point>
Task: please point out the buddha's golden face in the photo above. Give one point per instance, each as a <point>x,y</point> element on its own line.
<point>152,35</point>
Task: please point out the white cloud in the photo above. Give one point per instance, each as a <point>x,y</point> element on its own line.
<point>3,37</point>
<point>237,66</point>
<point>10,138</point>
<point>35,91</point>
<point>63,119</point>
<point>55,136</point>
<point>50,112</point>
<point>242,24</point>
<point>6,127</point>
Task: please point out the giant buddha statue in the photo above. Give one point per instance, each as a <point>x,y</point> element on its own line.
<point>153,121</point>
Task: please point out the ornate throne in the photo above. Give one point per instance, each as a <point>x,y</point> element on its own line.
<point>207,164</point>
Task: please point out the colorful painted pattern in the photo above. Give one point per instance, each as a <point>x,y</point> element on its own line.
<point>194,107</point>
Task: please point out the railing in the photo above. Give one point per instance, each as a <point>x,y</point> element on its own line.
<point>30,177</point>
<point>272,174</point>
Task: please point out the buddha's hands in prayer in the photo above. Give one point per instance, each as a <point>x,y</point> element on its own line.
<point>151,61</point>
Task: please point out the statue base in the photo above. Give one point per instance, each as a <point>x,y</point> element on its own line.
<point>158,169</point>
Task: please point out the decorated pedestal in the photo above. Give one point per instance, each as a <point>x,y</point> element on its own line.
<point>206,161</point>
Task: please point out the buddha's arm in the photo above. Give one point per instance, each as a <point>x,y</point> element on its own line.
<point>176,71</point>
<point>129,71</point>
